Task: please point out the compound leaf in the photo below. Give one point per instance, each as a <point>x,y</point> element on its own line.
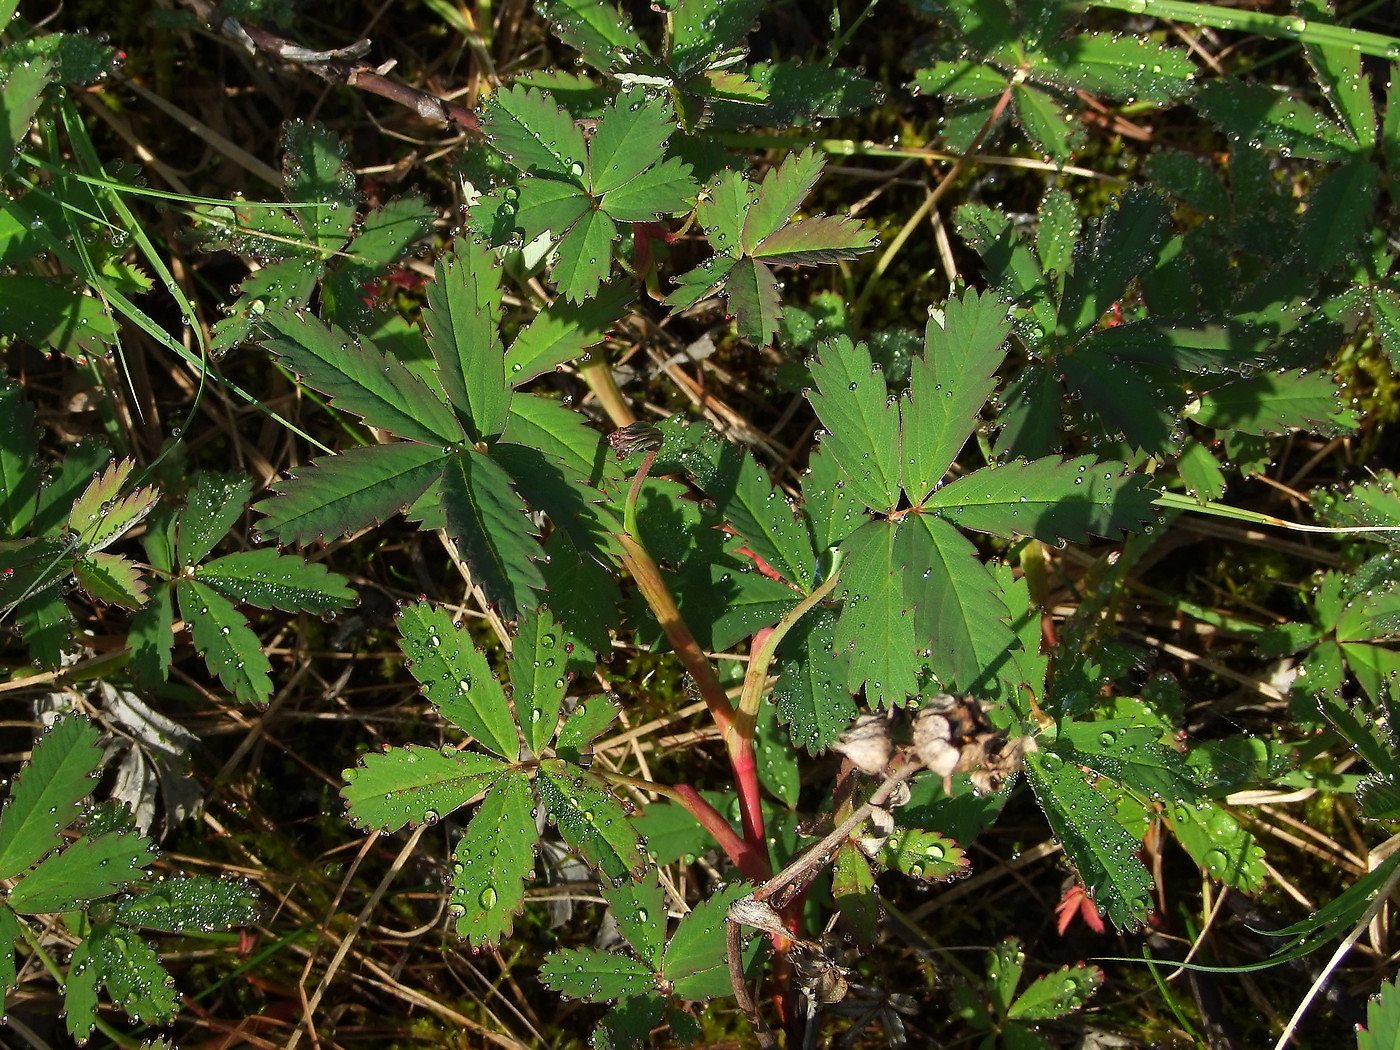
<point>87,869</point>
<point>1051,499</point>
<point>222,636</point>
<point>414,785</point>
<point>820,239</point>
<point>45,796</point>
<point>666,189</point>
<point>584,256</point>
<point>1129,240</point>
<point>360,378</point>
<point>782,190</point>
<point>639,909</point>
<point>564,330</point>
<point>1127,67</point>
<point>753,299</point>
<point>456,677</point>
<point>492,862</point>
<point>277,581</point>
<point>319,183</point>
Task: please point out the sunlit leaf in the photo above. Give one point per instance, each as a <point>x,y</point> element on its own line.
<point>415,785</point>
<point>222,636</point>
<point>87,869</point>
<point>45,795</point>
<point>862,427</point>
<point>271,580</point>
<point>492,861</point>
<point>591,821</point>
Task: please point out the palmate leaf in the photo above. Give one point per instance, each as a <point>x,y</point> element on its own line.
<point>1043,119</point>
<point>701,29</point>
<point>877,607</point>
<point>1277,403</point>
<point>1127,400</point>
<point>190,904</point>
<point>862,426</point>
<point>222,636</point>
<point>774,201</point>
<point>385,236</point>
<point>1099,847</point>
<point>1127,67</point>
<point>461,318</point>
<point>539,675</point>
<point>318,181</point>
<point>45,796</point>
<point>594,975</point>
<point>821,239</point>
<point>948,386</point>
<point>666,189</point>
<point>754,300</point>
<point>1013,268</point>
<point>212,505</point>
<point>349,491</point>
<point>112,579</point>
<point>631,134</point>
<point>88,869</point>
<point>415,785</point>
<point>131,971</point>
<point>832,512</point>
<point>456,677</point>
<point>487,518</point>
<point>1128,241</point>
<point>360,378</point>
<point>277,581</point>
<point>960,618</point>
<point>493,860</point>
<point>591,821</point>
<point>1051,499</point>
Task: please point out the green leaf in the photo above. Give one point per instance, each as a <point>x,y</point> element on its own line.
<point>701,29</point>
<point>1056,994</point>
<point>539,676</point>
<point>754,300</point>
<point>584,257</point>
<point>349,491</point>
<point>666,189</point>
<point>22,87</point>
<point>487,518</point>
<point>222,636</point>
<point>1129,239</point>
<point>534,134</point>
<point>9,933</point>
<point>112,579</point>
<point>595,976</point>
<point>948,386</point>
<point>581,591</point>
<point>832,511</point>
<point>853,892</point>
<point>964,78</point>
<point>591,821</point>
<point>1382,1028</point>
<point>317,179</point>
<point>876,607</point>
<point>359,378</point>
<point>1013,267</point>
<point>54,312</point>
<point>1277,403</point>
<point>1190,178</point>
<point>722,209</point>
<point>80,992</point>
<point>457,678</point>
<point>697,956</point>
<point>463,312</point>
<point>277,581</point>
<point>862,427</point>
<point>694,285</point>
<point>1259,116</point>
<point>100,516</point>
<point>152,637</point>
<point>1336,917</point>
<point>45,795</point>
<point>492,861</point>
<point>629,1024</point>
<point>779,195</point>
<point>1346,88</point>
<point>811,689</point>
<point>639,909</point>
<point>585,724</point>
<point>1105,854</point>
<point>213,504</point>
<point>415,785</point>
<point>563,330</point>
<point>1339,216</point>
<point>774,758</point>
<point>19,474</point>
<point>958,609</point>
<point>593,28</point>
<point>130,969</point>
<point>87,869</point>
<point>1127,67</point>
<point>1218,844</point>
<point>1126,400</point>
<point>1042,118</point>
<point>190,904</point>
<point>820,239</point>
<point>1051,499</point>
<point>630,136</point>
<point>548,205</point>
<point>922,854</point>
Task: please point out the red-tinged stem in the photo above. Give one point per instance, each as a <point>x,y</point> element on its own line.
<point>751,862</point>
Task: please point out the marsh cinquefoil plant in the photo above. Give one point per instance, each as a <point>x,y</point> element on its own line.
<point>1105,378</point>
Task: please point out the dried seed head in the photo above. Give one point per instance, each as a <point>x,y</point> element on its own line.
<point>867,743</point>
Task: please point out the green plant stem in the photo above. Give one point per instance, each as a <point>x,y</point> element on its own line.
<point>1286,27</point>
<point>1179,501</point>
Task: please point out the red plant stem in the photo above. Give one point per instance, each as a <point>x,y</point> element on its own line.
<point>753,864</point>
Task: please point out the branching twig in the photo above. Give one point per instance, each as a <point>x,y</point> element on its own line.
<point>340,65</point>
